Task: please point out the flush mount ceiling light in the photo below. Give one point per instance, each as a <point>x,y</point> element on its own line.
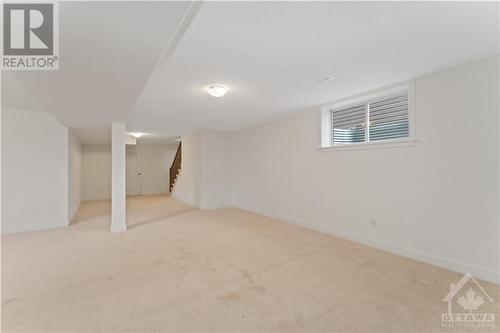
<point>217,90</point>
<point>137,135</point>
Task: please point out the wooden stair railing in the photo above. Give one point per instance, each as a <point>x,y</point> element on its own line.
<point>176,167</point>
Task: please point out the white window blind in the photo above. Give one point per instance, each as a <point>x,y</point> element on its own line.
<point>387,119</point>
<point>349,124</point>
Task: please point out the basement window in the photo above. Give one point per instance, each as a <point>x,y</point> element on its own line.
<point>385,116</point>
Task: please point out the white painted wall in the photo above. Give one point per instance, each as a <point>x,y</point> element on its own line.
<point>155,161</point>
<point>96,172</point>
<point>34,171</point>
<point>205,178</point>
<point>216,180</point>
<point>74,174</point>
<point>188,185</point>
<point>436,201</point>
<point>154,164</point>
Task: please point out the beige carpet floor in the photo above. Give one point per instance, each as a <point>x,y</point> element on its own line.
<point>179,269</point>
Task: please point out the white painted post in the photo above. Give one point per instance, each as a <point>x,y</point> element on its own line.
<point>118,199</point>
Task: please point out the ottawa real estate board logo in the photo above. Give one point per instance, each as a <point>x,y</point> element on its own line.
<point>30,36</point>
<point>465,300</point>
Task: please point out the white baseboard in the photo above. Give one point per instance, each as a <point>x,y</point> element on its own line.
<point>176,197</point>
<point>118,228</point>
<point>30,229</point>
<point>72,214</point>
<point>214,206</point>
<point>449,264</point>
<point>200,206</point>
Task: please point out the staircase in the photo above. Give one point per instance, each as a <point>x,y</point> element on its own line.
<point>175,168</point>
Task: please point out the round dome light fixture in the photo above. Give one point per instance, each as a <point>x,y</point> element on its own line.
<point>217,90</point>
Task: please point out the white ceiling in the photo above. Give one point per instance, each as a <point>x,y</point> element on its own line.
<point>271,54</point>
<point>94,134</point>
<point>108,51</point>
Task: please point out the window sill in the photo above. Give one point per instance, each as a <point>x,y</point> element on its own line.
<point>370,145</point>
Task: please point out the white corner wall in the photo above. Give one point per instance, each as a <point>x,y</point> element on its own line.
<point>205,177</point>
<point>188,185</point>
<point>155,161</point>
<point>74,174</point>
<point>216,180</point>
<point>96,172</point>
<point>436,201</point>
<point>34,171</point>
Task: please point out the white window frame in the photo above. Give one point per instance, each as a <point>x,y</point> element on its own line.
<point>365,98</point>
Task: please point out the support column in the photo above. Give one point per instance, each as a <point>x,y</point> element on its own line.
<point>118,198</point>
